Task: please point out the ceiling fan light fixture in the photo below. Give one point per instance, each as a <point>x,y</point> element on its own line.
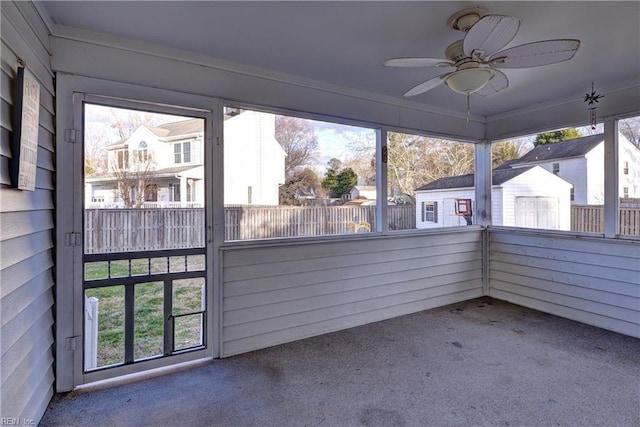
<point>469,81</point>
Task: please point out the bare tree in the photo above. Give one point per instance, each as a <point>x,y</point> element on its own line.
<point>95,155</point>
<point>511,149</point>
<point>299,140</point>
<point>416,160</point>
<point>361,156</point>
<point>135,177</point>
<point>630,128</point>
<point>125,122</point>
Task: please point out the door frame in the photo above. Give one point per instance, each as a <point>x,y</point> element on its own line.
<point>72,92</point>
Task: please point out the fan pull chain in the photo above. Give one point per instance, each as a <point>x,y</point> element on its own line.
<point>468,106</point>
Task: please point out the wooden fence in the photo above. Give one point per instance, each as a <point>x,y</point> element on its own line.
<point>590,218</point>
<point>121,230</point>
<point>124,230</point>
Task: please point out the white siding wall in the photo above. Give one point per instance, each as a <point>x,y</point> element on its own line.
<point>446,207</point>
<point>252,158</point>
<point>594,281</point>
<point>593,176</point>
<point>26,259</point>
<point>497,206</point>
<point>629,153</point>
<point>279,293</point>
<point>446,214</point>
<point>575,171</point>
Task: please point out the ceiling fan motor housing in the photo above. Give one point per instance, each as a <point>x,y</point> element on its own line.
<point>465,19</point>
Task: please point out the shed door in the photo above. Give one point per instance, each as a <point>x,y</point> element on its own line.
<point>537,212</point>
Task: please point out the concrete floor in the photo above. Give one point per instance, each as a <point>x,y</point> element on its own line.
<point>481,362</point>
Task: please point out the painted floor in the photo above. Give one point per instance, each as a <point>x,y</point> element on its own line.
<point>481,362</point>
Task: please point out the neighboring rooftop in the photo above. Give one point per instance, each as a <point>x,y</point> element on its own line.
<point>182,127</point>
<point>498,177</point>
<point>561,150</point>
<point>156,173</point>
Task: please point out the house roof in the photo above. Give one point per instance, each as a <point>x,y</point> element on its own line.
<point>498,177</point>
<point>560,150</point>
<point>182,127</point>
<point>158,173</point>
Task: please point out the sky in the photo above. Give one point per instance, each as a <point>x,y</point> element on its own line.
<point>334,140</point>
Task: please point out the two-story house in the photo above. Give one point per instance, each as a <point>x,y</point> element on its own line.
<point>164,165</point>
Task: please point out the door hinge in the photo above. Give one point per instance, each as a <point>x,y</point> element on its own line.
<point>72,239</point>
<point>385,154</point>
<point>71,342</point>
<point>71,135</point>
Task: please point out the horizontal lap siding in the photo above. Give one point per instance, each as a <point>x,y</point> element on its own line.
<point>281,293</point>
<point>594,281</point>
<point>26,232</point>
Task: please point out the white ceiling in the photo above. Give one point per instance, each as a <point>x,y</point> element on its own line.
<point>345,43</point>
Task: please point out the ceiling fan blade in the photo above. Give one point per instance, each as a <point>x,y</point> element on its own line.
<point>418,62</point>
<point>490,34</point>
<point>498,82</point>
<point>536,54</point>
<point>425,86</point>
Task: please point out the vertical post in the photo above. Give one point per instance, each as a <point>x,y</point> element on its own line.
<point>203,316</point>
<point>611,200</point>
<point>183,191</point>
<point>168,318</point>
<point>482,182</point>
<point>129,318</point>
<point>382,223</point>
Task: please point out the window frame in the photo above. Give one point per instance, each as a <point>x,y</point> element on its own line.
<point>376,128</point>
<point>612,193</point>
<point>177,153</point>
<point>430,213</point>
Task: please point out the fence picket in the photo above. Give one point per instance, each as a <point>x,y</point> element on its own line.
<point>590,219</point>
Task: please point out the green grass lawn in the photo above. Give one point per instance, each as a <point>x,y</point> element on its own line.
<point>148,311</point>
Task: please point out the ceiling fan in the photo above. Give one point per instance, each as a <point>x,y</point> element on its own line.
<point>477,57</point>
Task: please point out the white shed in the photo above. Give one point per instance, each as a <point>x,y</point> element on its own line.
<point>363,192</point>
<point>523,197</point>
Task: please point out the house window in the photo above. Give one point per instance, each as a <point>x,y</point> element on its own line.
<point>186,152</point>
<point>625,192</point>
<point>430,212</point>
<point>249,194</point>
<point>626,168</point>
<point>97,199</point>
<point>182,152</point>
<point>177,153</point>
<point>174,192</point>
<point>122,159</point>
<point>572,194</point>
<point>556,168</point>
<point>141,156</point>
